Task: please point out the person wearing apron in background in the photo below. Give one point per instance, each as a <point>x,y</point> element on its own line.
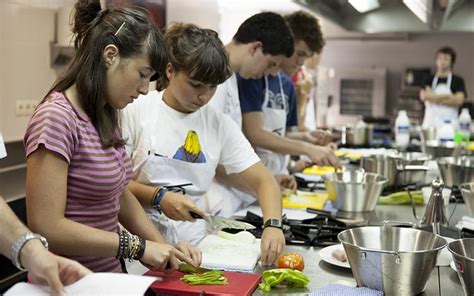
<point>176,141</point>
<point>260,44</point>
<point>269,109</point>
<point>444,92</point>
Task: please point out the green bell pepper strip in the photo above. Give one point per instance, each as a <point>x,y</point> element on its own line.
<point>214,277</point>
<point>275,277</point>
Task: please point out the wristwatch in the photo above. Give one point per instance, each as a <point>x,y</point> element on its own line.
<point>20,243</point>
<point>273,223</point>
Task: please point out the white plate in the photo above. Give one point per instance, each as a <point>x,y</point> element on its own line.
<point>326,256</point>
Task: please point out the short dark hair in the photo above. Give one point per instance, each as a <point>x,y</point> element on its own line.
<point>306,27</point>
<point>448,50</point>
<point>271,30</point>
<point>134,34</point>
<point>197,52</point>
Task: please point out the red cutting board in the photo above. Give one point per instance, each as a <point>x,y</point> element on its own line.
<point>239,284</point>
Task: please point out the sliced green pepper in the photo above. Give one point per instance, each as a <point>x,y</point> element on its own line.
<point>213,277</point>
<point>275,277</point>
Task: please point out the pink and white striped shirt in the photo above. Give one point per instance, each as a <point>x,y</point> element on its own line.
<point>97,176</point>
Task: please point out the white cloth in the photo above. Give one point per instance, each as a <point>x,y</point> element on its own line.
<point>150,125</point>
<point>274,120</point>
<point>239,256</point>
<point>436,114</point>
<point>227,99</point>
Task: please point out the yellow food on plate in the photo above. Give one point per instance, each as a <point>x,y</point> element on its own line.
<point>347,154</point>
<point>319,170</point>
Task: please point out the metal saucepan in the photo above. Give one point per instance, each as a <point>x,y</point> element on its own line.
<point>463,255</point>
<point>456,170</point>
<point>399,169</point>
<point>358,135</point>
<point>395,260</point>
<point>354,190</point>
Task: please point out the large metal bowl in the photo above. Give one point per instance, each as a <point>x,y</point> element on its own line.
<point>354,191</point>
<point>456,170</point>
<point>397,261</point>
<point>467,191</point>
<point>462,251</point>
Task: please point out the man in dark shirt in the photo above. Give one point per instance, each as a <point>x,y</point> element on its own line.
<point>269,105</point>
<point>443,92</point>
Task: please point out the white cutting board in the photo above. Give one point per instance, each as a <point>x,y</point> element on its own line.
<point>224,254</point>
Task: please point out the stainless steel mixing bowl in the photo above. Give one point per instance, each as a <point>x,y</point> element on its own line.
<point>395,260</point>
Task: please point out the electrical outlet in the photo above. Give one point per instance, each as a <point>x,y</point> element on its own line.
<point>25,107</point>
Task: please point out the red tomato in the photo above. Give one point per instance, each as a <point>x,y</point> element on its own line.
<point>291,260</point>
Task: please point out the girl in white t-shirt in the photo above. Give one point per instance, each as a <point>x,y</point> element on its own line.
<point>176,142</point>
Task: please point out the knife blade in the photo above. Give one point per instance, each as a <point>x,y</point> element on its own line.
<point>187,268</point>
<point>220,222</point>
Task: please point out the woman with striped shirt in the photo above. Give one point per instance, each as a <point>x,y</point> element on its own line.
<point>77,168</point>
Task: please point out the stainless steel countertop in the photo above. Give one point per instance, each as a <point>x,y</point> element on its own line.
<point>321,273</point>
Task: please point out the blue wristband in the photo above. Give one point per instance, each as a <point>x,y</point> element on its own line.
<point>158,198</point>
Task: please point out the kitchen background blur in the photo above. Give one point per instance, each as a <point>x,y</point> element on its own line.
<point>366,60</point>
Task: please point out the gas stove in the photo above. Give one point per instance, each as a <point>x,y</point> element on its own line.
<point>320,231</point>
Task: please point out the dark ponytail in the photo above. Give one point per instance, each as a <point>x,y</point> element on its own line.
<point>84,14</point>
<point>133,33</point>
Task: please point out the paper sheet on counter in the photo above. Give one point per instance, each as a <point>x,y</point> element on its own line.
<point>104,283</point>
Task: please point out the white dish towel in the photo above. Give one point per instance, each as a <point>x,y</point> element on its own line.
<point>223,254</point>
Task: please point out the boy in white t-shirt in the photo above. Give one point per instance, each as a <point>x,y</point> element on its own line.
<point>258,47</point>
<point>176,142</point>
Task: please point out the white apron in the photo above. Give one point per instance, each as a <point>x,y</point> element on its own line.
<point>274,120</point>
<point>165,171</point>
<point>436,114</point>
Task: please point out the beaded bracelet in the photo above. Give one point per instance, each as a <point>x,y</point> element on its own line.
<point>130,246</point>
<point>141,250</point>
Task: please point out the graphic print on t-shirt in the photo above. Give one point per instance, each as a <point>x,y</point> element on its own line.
<point>191,150</point>
<point>275,101</point>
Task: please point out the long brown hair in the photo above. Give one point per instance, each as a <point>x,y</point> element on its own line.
<point>197,52</point>
<point>133,33</point>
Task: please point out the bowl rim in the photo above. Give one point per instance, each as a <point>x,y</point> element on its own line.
<point>364,249</point>
<point>382,180</point>
<point>457,254</point>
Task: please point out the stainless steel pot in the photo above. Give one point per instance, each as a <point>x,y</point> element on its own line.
<point>354,191</point>
<point>463,255</point>
<point>397,261</point>
<point>467,191</point>
<point>456,170</point>
<point>357,135</point>
<point>399,169</point>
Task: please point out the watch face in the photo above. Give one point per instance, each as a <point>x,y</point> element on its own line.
<point>273,222</point>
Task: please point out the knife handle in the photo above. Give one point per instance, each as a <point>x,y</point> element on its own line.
<point>195,215</point>
<point>319,212</point>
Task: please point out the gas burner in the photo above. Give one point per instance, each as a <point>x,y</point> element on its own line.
<point>318,231</point>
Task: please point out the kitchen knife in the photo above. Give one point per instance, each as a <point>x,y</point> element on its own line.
<point>187,268</point>
<point>220,222</point>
